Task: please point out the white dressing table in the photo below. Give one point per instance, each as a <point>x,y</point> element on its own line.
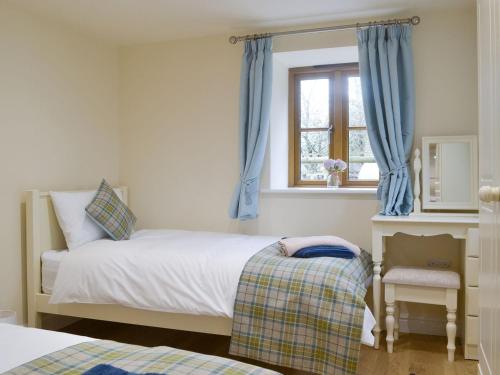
<point>459,226</point>
<point>449,182</point>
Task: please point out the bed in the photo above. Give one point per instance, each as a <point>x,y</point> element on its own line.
<point>189,305</point>
<point>31,350</point>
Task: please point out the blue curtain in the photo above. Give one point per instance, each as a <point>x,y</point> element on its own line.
<point>386,71</point>
<point>255,107</point>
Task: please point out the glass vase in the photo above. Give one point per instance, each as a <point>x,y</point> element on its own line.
<point>333,180</point>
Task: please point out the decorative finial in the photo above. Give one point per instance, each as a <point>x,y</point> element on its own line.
<point>415,20</point>
<point>233,39</point>
<point>417,167</point>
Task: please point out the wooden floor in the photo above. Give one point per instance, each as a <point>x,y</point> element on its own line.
<point>413,354</point>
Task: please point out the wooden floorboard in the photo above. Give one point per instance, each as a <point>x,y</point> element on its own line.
<point>413,354</point>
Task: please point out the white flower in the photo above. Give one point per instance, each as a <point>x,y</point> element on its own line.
<point>340,165</point>
<point>336,165</point>
<point>329,164</point>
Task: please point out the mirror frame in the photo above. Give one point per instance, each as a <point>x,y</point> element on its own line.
<point>473,203</point>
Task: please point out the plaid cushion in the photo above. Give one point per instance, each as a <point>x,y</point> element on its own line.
<point>109,212</point>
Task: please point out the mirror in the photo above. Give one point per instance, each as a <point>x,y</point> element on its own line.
<point>449,173</point>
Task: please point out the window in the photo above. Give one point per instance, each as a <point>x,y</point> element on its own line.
<point>327,121</point>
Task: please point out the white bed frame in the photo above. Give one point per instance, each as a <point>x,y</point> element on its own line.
<point>43,233</point>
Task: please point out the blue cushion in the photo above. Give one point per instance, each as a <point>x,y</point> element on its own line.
<point>110,370</point>
<point>325,251</point>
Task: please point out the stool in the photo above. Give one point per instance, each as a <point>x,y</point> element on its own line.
<point>421,285</point>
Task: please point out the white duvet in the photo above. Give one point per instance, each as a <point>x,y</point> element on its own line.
<point>20,345</point>
<point>163,270</point>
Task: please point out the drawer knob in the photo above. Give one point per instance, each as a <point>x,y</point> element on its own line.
<point>489,194</point>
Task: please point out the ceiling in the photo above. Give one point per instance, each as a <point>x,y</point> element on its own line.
<point>144,21</point>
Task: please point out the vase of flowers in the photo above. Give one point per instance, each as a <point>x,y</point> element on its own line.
<point>334,169</point>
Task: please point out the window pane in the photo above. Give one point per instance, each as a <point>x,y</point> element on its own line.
<point>314,148</point>
<point>314,107</point>
<point>356,113</point>
<point>363,172</point>
<point>362,165</point>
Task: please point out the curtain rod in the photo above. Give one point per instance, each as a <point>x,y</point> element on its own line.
<point>415,20</point>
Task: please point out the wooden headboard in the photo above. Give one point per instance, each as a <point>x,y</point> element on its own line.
<point>42,233</point>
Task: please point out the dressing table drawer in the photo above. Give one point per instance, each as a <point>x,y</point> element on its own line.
<point>471,337</point>
<point>472,243</point>
<point>472,271</point>
<point>471,330</point>
<point>472,301</point>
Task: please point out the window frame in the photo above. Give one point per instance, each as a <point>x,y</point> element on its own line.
<point>338,116</point>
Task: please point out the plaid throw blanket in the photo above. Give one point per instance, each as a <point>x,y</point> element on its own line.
<point>164,360</point>
<point>301,313</point>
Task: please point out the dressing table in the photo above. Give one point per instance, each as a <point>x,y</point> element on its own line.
<point>461,226</point>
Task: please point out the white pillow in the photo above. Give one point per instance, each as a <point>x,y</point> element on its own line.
<point>77,227</point>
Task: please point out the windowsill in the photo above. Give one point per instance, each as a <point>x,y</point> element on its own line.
<point>371,191</point>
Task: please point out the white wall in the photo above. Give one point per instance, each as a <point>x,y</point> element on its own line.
<point>179,110</point>
<point>179,117</point>
<point>58,119</point>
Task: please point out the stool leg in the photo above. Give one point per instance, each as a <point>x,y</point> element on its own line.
<point>451,331</point>
<point>396,321</point>
<point>389,323</point>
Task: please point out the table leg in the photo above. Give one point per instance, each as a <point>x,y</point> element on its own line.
<point>377,284</point>
<point>377,258</point>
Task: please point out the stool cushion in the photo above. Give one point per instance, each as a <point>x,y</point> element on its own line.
<point>430,277</point>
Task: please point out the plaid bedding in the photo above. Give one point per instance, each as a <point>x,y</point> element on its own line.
<point>305,314</point>
<point>164,360</point>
